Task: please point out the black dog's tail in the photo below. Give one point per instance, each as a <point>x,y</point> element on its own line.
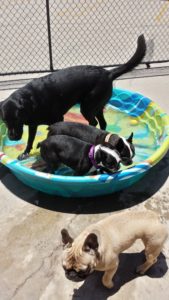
<point>134,60</point>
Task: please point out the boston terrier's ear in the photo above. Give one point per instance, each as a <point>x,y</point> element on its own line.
<point>66,238</point>
<point>90,243</point>
<point>130,138</point>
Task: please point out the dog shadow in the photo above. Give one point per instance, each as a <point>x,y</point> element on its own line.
<point>137,193</point>
<point>93,289</point>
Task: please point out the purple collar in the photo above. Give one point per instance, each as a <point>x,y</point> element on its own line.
<point>91,157</point>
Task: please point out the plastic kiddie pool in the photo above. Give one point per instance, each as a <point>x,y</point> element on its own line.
<point>126,112</point>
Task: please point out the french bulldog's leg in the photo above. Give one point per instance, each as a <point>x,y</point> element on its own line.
<point>151,258</point>
<point>31,136</point>
<point>109,274</point>
<point>101,120</point>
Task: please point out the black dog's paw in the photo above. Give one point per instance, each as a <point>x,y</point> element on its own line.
<point>23,156</point>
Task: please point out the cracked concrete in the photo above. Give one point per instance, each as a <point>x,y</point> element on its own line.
<point>30,224</point>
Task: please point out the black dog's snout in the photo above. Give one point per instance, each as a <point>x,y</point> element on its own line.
<point>14,135</point>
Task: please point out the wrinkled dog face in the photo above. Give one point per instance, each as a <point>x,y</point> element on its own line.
<point>79,258</point>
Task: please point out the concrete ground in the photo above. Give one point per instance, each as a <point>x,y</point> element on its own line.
<point>30,224</point>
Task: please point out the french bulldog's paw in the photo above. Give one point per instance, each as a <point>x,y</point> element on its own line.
<point>140,270</point>
<point>107,284</point>
<point>23,156</point>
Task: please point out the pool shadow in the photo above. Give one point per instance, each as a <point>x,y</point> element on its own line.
<point>92,288</point>
<point>139,192</point>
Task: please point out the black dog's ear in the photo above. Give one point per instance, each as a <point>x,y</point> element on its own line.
<point>20,103</point>
<point>66,238</point>
<point>90,243</point>
<point>130,138</point>
<point>34,103</point>
<point>19,108</point>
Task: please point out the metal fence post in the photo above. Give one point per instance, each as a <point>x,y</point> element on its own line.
<point>49,34</point>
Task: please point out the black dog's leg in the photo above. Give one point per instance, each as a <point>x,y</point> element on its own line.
<point>88,116</point>
<point>31,137</point>
<point>92,106</point>
<point>93,122</point>
<point>101,119</point>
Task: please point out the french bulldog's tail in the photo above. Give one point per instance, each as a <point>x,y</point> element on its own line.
<point>134,60</point>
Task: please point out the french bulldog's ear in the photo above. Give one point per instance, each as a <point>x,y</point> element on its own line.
<point>130,138</point>
<point>66,238</point>
<point>91,242</point>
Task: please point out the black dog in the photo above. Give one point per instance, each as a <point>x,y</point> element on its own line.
<point>45,100</point>
<point>96,136</point>
<point>78,155</point>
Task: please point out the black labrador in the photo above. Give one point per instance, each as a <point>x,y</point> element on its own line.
<point>96,136</point>
<point>45,100</point>
<point>78,155</point>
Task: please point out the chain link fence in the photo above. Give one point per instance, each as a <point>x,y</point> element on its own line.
<point>45,35</point>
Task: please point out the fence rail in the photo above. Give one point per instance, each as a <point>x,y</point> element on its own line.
<point>45,35</point>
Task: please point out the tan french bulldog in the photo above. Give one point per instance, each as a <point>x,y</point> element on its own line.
<point>99,245</point>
